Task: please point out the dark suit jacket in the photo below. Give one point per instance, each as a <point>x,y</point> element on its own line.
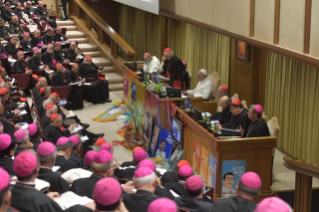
<point>64,163</point>
<point>139,201</point>
<point>194,204</point>
<point>85,186</point>
<point>57,183</point>
<point>234,204</point>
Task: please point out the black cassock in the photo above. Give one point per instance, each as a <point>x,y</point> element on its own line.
<point>87,70</point>
<point>175,68</point>
<point>8,127</point>
<point>53,133</point>
<point>35,41</point>
<point>19,13</point>
<point>127,164</point>
<point>59,56</point>
<point>258,129</point>
<point>65,164</point>
<point>57,37</point>
<point>6,15</point>
<point>16,29</point>
<point>177,187</point>
<point>7,164</point>
<point>125,173</point>
<point>72,54</point>
<point>20,68</point>
<point>41,12</point>
<point>11,49</point>
<point>169,176</point>
<point>85,186</point>
<point>40,104</point>
<point>163,192</point>
<point>236,122</point>
<point>139,201</point>
<point>45,121</point>
<point>27,199</point>
<point>26,45</point>
<point>18,150</point>
<point>223,117</point>
<point>77,160</point>
<point>34,63</point>
<point>194,204</point>
<point>47,58</point>
<point>234,204</point>
<point>47,39</point>
<point>78,208</point>
<point>4,32</point>
<point>57,183</point>
<point>90,92</point>
<point>75,98</point>
<point>36,144</point>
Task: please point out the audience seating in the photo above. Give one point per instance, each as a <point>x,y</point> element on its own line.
<point>215,80</point>
<point>273,126</point>
<point>63,91</point>
<point>24,80</point>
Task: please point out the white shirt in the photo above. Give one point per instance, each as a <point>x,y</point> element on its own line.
<point>203,88</point>
<point>153,66</point>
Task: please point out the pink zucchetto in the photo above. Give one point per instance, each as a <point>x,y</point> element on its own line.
<point>48,29</point>
<point>162,205</point>
<point>273,204</point>
<point>36,50</point>
<point>5,179</point>
<point>259,109</point>
<point>75,139</point>
<point>12,36</point>
<point>147,163</point>
<point>20,134</point>
<point>102,156</point>
<point>185,171</point>
<point>24,164</point>
<point>57,43</point>
<point>25,33</point>
<point>106,146</point>
<point>139,155</point>
<point>62,140</point>
<point>184,64</point>
<point>5,141</point>
<point>193,183</point>
<point>251,180</point>
<point>142,172</point>
<point>32,129</point>
<point>107,191</point>
<point>46,148</point>
<point>89,156</point>
<point>146,53</point>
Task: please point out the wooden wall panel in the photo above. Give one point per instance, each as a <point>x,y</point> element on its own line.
<point>201,10</point>
<point>265,20</point>
<point>167,5</point>
<point>314,30</point>
<point>292,23</point>
<point>239,16</point>
<point>183,8</point>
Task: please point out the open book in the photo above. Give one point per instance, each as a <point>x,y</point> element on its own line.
<point>69,199</point>
<point>74,174</point>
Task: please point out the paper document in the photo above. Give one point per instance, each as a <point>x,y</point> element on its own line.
<point>22,113</point>
<point>87,83</point>
<point>22,105</point>
<point>174,194</point>
<point>184,96</point>
<point>55,168</point>
<point>84,138</point>
<point>11,60</point>
<point>69,199</point>
<point>77,129</point>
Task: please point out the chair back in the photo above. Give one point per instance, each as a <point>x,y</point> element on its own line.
<point>235,96</point>
<point>44,24</point>
<point>63,91</point>
<point>215,80</point>
<point>244,103</point>
<point>25,28</point>
<point>273,126</point>
<point>24,80</point>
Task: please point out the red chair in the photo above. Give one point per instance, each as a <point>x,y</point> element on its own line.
<point>24,80</point>
<point>39,72</point>
<point>25,28</point>
<point>4,62</point>
<point>63,91</point>
<point>43,24</point>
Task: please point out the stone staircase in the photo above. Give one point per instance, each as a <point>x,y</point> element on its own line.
<point>115,80</point>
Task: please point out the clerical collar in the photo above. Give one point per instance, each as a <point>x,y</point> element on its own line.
<point>44,167</point>
<point>145,190</point>
<point>181,182</point>
<point>28,184</point>
<point>62,155</point>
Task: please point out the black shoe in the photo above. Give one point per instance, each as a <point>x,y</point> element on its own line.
<point>101,68</point>
<point>98,135</point>
<point>62,19</point>
<point>85,126</point>
<point>101,102</point>
<point>108,100</point>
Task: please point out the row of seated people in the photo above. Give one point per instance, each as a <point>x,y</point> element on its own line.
<point>27,14</point>
<point>143,189</point>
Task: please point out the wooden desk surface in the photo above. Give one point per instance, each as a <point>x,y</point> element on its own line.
<point>256,151</point>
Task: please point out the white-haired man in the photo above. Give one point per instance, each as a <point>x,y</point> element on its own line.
<point>23,141</point>
<point>173,68</point>
<point>41,12</point>
<point>152,64</point>
<point>204,87</point>
<point>145,181</point>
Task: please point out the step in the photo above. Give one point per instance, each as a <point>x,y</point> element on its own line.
<point>70,28</point>
<point>75,34</point>
<point>92,54</point>
<point>108,69</point>
<point>80,40</point>
<point>99,61</point>
<point>113,78</point>
<point>86,47</point>
<point>65,23</point>
<point>115,86</point>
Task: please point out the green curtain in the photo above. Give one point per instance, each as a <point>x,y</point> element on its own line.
<point>292,93</point>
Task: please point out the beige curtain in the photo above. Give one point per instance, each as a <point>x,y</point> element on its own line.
<point>200,48</point>
<point>292,93</point>
<point>141,30</point>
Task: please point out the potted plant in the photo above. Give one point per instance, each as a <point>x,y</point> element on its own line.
<point>157,88</point>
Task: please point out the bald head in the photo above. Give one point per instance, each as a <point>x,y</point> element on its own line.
<point>75,68</point>
<point>221,92</point>
<point>44,81</point>
<point>50,48</point>
<point>224,102</point>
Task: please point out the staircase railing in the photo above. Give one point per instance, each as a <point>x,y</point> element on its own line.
<point>80,9</point>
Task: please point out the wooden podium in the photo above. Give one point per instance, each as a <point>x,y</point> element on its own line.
<point>303,185</point>
<point>256,151</point>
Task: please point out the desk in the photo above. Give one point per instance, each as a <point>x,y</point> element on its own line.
<point>256,151</point>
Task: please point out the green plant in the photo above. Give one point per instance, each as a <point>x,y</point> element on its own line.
<point>157,87</point>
